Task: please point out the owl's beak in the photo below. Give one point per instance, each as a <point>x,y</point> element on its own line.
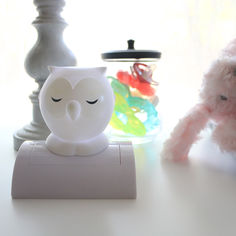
<point>73,110</point>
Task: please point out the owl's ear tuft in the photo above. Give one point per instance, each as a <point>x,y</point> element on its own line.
<point>102,70</point>
<point>52,69</point>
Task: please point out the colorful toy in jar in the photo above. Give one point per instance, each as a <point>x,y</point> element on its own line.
<point>135,91</point>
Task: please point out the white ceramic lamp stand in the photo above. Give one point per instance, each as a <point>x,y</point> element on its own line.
<point>48,50</point>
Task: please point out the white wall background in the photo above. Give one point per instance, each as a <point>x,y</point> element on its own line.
<point>189,33</point>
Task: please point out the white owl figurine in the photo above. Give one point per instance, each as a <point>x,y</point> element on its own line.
<point>77,105</point>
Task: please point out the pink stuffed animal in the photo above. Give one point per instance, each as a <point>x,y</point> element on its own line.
<point>217,103</point>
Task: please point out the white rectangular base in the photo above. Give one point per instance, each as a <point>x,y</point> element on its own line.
<point>38,173</point>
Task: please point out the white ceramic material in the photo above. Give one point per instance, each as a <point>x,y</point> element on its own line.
<point>77,105</point>
<point>49,49</point>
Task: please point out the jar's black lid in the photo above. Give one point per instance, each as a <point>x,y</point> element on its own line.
<point>131,53</point>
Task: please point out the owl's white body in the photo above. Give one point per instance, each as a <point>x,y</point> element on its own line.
<point>76,104</point>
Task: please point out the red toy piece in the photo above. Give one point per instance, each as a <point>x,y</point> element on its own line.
<point>143,87</point>
<point>123,77</point>
<point>146,89</point>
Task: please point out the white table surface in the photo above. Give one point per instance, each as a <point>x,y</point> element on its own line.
<point>193,198</point>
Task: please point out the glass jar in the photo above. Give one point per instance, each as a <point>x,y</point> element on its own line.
<point>133,77</point>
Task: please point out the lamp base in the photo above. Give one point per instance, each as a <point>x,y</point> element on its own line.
<point>40,174</point>
<point>33,131</point>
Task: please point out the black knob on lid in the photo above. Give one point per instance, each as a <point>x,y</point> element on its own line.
<point>130,44</point>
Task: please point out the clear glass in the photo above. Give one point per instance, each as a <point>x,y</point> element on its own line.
<point>135,85</point>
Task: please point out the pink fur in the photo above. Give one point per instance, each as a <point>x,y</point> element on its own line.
<point>230,49</point>
<point>225,134</point>
<point>185,134</point>
<point>218,103</point>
